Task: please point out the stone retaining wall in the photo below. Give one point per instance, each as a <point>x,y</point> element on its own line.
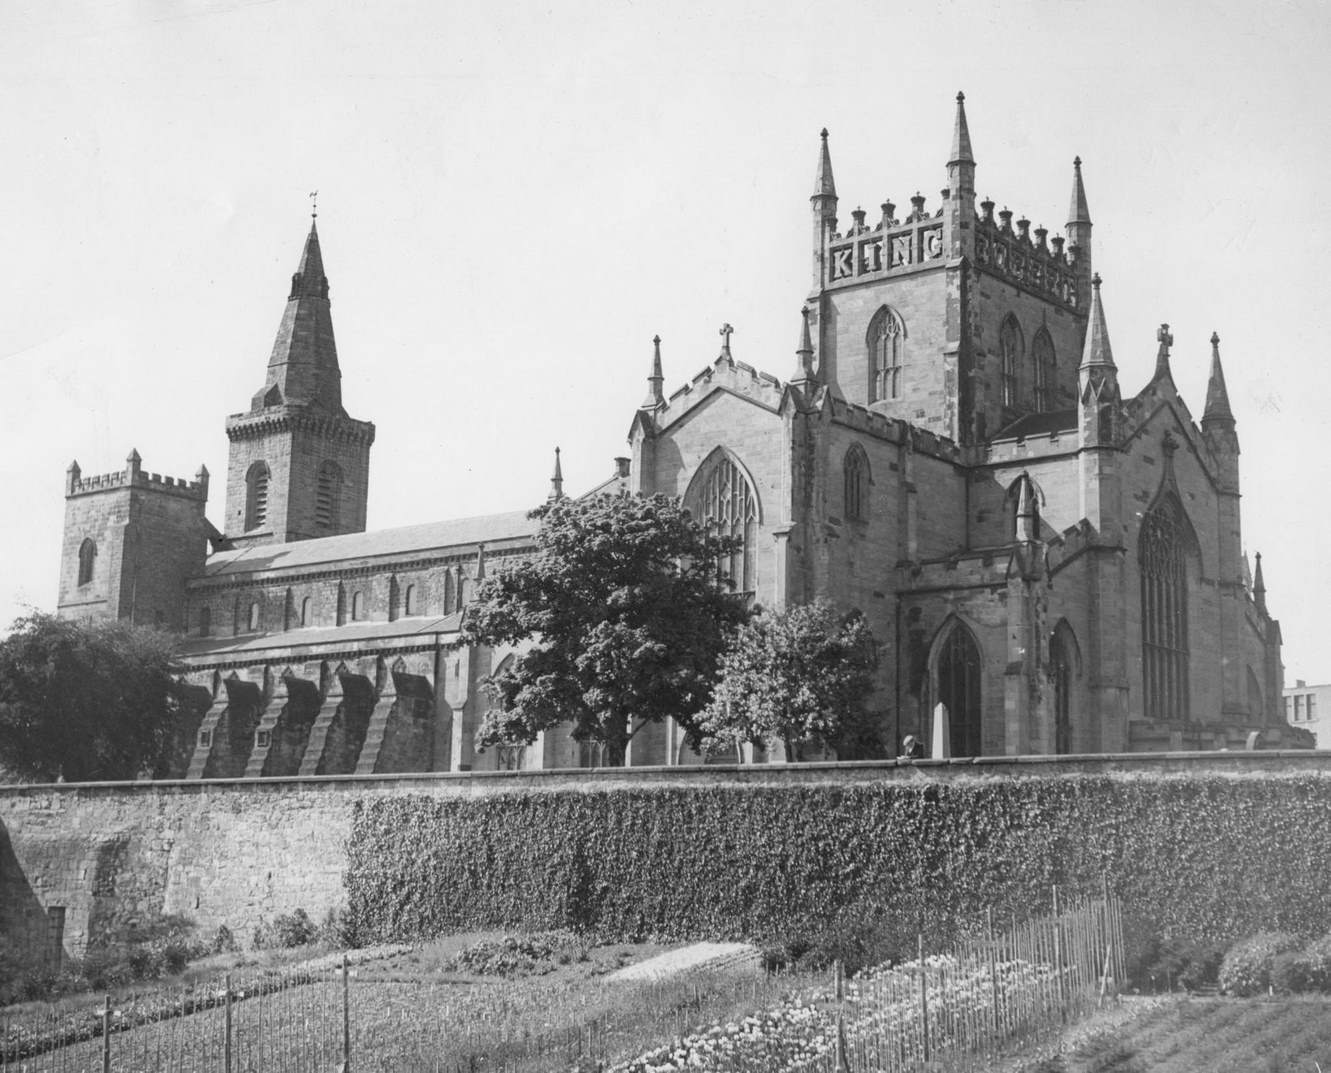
<point>237,851</point>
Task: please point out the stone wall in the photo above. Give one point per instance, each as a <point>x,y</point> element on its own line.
<point>235,852</point>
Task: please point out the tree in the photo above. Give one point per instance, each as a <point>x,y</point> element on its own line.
<point>86,700</point>
<point>800,677</point>
<point>622,608</point>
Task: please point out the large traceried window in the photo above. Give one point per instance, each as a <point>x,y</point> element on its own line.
<point>1046,371</point>
<point>1162,551</point>
<point>328,496</point>
<point>885,339</point>
<point>256,496</point>
<point>87,560</point>
<point>957,688</point>
<point>855,491</point>
<point>722,499</point>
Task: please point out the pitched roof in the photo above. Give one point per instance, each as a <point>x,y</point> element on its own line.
<point>381,543</point>
<point>1039,424</point>
<point>295,643</point>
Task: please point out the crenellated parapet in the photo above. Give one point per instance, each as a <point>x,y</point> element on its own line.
<point>890,246</point>
<point>727,374</point>
<point>133,476</point>
<point>1028,258</point>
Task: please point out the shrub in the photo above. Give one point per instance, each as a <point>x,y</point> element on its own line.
<point>223,941</point>
<point>1318,958</point>
<point>286,931</point>
<point>521,955</point>
<point>1246,969</point>
<point>1289,973</point>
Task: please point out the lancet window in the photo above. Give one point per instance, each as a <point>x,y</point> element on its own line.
<point>1010,348</point>
<point>957,677</point>
<point>855,480</point>
<point>87,560</point>
<point>886,334</point>
<point>725,503</point>
<point>328,496</point>
<point>1162,552</point>
<point>1046,371</point>
<point>1062,670</point>
<point>256,496</point>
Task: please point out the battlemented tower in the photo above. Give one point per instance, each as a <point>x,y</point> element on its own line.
<point>298,466</point>
<point>131,540</point>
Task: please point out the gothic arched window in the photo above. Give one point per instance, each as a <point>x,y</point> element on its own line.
<point>1010,348</point>
<point>305,612</point>
<point>328,496</point>
<point>450,592</point>
<point>205,621</point>
<point>256,496</point>
<point>1162,552</point>
<point>1062,671</point>
<point>957,688</point>
<point>721,498</point>
<point>87,560</point>
<point>855,492</point>
<point>254,616</point>
<point>886,334</point>
<point>1254,696</point>
<point>1046,370</point>
<point>409,601</point>
<point>357,606</point>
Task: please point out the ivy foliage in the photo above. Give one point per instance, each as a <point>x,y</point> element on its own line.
<point>625,620</point>
<point>1207,856</point>
<point>799,677</point>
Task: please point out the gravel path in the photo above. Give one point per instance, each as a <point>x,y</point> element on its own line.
<point>698,955</point>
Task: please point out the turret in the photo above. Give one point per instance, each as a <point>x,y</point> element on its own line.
<point>1079,234</point>
<point>1097,378</point>
<point>557,480</point>
<point>804,374</point>
<point>960,193</point>
<point>656,381</point>
<point>823,201</point>
<point>1218,424</point>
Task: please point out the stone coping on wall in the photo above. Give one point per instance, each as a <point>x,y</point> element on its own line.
<point>471,783</point>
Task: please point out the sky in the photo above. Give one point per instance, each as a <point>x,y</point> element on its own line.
<point>514,198</point>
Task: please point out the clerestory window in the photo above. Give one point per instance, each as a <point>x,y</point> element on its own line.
<point>1046,371</point>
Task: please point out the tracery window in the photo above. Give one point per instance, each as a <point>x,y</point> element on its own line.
<point>512,757</point>
<point>1162,552</point>
<point>256,496</point>
<point>591,754</point>
<point>87,559</point>
<point>855,492</point>
<point>328,496</point>
<point>725,504</point>
<point>958,689</point>
<point>1046,370</point>
<point>1010,348</point>
<point>884,340</point>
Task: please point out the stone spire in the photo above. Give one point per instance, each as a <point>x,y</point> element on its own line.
<point>1097,352</point>
<point>1078,212</point>
<point>303,366</point>
<point>655,382</point>
<point>1258,584</point>
<point>557,480</point>
<point>961,136</point>
<point>1217,413</point>
<point>804,367</point>
<point>824,186</point>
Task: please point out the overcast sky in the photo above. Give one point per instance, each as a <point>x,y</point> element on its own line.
<point>514,198</point>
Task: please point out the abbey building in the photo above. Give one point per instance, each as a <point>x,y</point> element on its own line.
<point>1056,562</point>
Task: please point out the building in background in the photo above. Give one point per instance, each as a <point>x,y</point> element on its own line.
<point>1055,563</point>
<point>1309,708</point>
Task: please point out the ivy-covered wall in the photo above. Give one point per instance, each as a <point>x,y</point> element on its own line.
<point>1210,854</point>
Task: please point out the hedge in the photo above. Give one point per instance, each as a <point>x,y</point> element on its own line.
<point>1206,856</point>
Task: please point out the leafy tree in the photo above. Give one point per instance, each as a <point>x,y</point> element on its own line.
<point>86,700</point>
<point>799,677</point>
<point>621,605</point>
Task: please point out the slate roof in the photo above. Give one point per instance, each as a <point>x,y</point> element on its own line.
<point>315,637</point>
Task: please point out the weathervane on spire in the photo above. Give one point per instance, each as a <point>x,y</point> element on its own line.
<point>314,204</point>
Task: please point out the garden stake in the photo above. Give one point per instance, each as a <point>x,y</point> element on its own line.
<point>106,1035</point>
<point>346,1019</point>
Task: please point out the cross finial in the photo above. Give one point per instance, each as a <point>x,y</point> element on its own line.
<point>1164,338</point>
<point>726,332</point>
<point>314,204</point>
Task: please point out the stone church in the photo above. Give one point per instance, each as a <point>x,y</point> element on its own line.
<point>1055,561</point>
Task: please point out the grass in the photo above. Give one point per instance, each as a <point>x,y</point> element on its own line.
<point>1202,1035</point>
